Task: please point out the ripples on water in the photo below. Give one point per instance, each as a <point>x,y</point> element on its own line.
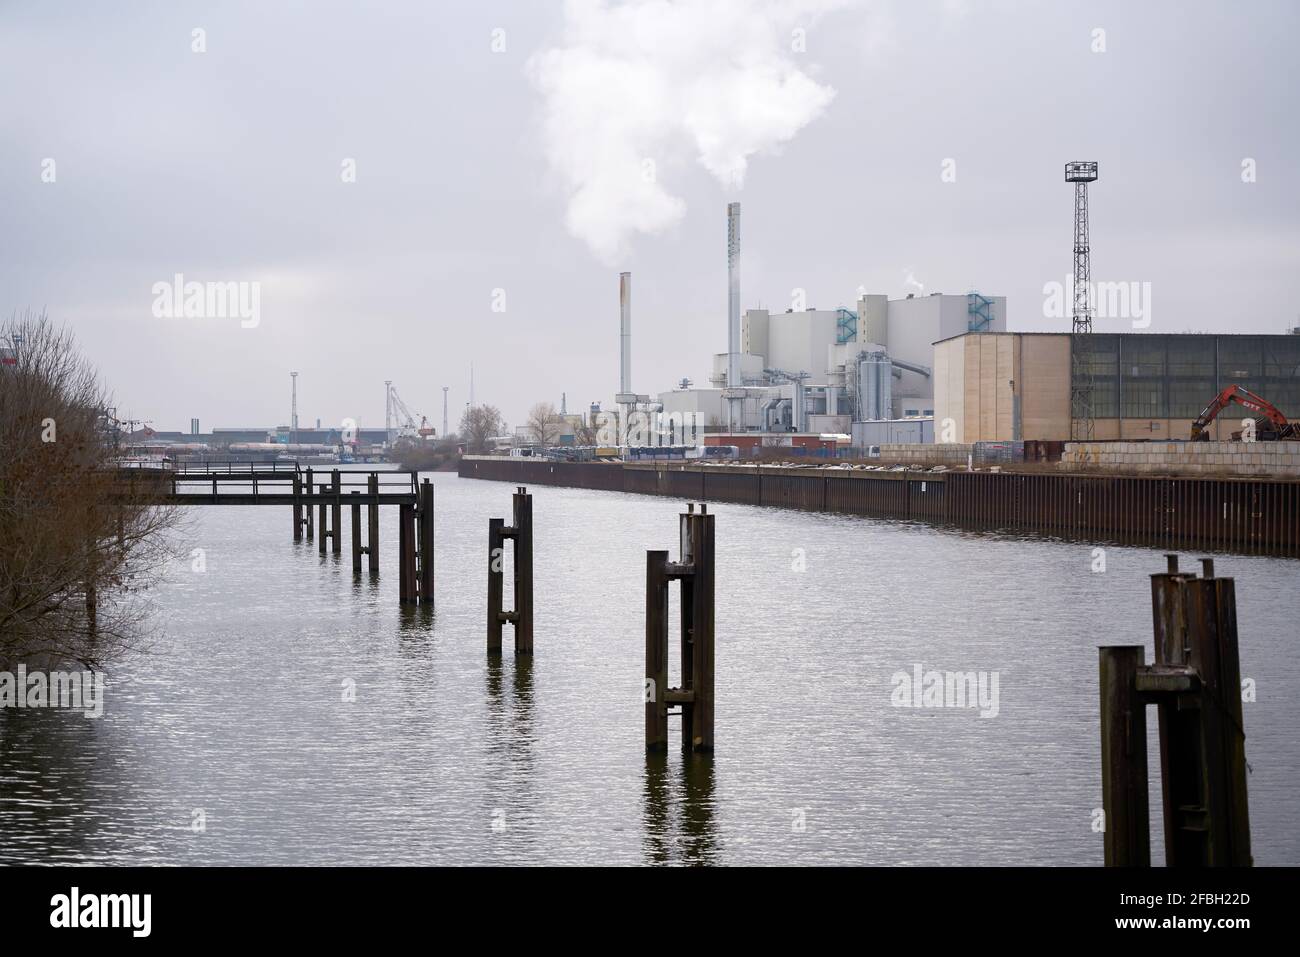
<point>445,757</point>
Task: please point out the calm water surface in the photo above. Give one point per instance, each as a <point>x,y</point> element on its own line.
<point>445,757</point>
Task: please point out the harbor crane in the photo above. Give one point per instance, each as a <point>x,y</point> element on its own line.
<point>406,427</point>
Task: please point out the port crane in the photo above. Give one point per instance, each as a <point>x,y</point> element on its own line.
<point>406,427</point>
<point>1275,424</point>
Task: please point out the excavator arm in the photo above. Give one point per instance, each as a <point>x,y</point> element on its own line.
<point>1248,400</point>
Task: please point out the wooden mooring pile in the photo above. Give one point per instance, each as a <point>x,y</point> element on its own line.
<point>1195,684</point>
<point>520,536</point>
<point>694,698</point>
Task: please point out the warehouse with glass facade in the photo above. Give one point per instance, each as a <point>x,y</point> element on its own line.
<point>1017,385</point>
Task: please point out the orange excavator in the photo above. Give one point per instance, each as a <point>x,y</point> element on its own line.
<point>1270,423</point>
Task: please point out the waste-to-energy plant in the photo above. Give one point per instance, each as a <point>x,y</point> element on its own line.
<point>945,368</point>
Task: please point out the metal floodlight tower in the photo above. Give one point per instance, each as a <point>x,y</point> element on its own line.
<point>1081,419</point>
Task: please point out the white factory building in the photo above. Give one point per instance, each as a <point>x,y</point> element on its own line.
<point>823,370</point>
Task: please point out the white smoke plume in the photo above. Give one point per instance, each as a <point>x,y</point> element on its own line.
<point>634,86</point>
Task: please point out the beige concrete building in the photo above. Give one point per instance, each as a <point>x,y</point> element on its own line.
<point>1002,386</point>
<point>1007,386</point>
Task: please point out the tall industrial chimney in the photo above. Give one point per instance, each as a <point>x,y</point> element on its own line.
<point>293,409</point>
<point>626,398</point>
<point>735,400</point>
<point>625,332</point>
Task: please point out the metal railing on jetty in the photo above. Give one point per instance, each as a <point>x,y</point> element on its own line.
<point>287,483</point>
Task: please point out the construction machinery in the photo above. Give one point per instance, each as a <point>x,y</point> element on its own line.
<point>1270,423</point>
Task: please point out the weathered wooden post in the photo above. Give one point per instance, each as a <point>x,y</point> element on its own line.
<point>523,569</point>
<point>372,546</point>
<point>520,535</point>
<point>656,650</point>
<point>1195,683</point>
<point>356,535</point>
<point>406,550</point>
<point>496,558</point>
<point>426,578</point>
<point>696,695</point>
<point>336,516</point>
<point>1227,692</point>
<point>1124,758</point>
<point>698,595</point>
<point>1202,741</point>
<point>297,507</point>
<point>323,517</point>
<point>311,526</point>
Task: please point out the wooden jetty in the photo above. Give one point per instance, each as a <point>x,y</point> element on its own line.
<point>307,491</point>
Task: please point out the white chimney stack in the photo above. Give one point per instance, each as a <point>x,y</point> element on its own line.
<point>626,398</point>
<point>625,334</point>
<point>735,400</point>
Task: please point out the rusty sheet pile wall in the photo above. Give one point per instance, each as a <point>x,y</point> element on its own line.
<point>1253,516</point>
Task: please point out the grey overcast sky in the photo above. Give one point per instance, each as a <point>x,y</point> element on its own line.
<point>512,157</point>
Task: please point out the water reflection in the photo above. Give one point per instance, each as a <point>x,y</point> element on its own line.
<point>516,714</point>
<point>50,781</point>
<point>511,779</point>
<point>414,622</point>
<point>679,809</point>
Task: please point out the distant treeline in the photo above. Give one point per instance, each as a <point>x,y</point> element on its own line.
<point>427,457</point>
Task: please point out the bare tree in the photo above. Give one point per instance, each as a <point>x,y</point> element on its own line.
<point>79,544</point>
<point>478,424</point>
<point>545,424</point>
<point>587,433</point>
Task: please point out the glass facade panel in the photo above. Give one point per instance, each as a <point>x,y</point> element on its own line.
<point>1189,397</point>
<point>1282,358</point>
<point>1143,399</point>
<point>1286,396</point>
<point>1241,360</point>
<point>1192,357</point>
<point>1142,362</point>
<point>1191,375</point>
<point>1281,382</point>
<point>1099,354</point>
<point>1142,357</point>
<point>1157,377</point>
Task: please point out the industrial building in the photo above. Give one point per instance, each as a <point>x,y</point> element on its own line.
<point>1009,386</point>
<point>823,370</point>
<point>944,368</point>
<point>865,372</point>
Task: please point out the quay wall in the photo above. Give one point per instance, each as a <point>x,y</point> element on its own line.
<point>1185,458</point>
<point>1245,515</point>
